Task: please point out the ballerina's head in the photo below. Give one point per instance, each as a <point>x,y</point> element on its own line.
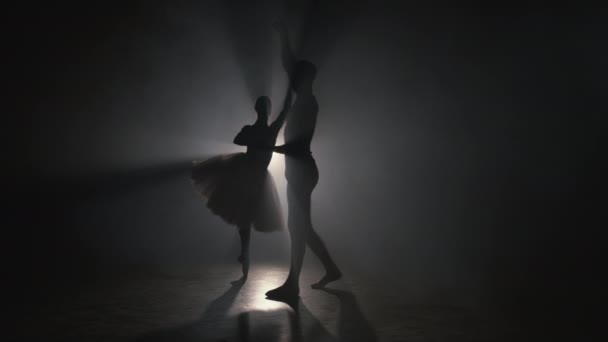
<point>262,107</point>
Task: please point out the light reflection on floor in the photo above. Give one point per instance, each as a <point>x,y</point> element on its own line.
<point>252,296</point>
<point>206,304</point>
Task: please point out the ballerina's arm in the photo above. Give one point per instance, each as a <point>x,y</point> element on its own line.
<point>243,138</point>
<point>280,120</point>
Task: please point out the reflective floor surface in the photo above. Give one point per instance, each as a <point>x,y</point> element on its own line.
<point>210,304</point>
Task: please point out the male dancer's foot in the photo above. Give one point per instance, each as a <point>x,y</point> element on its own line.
<point>331,275</point>
<point>293,302</point>
<point>284,292</point>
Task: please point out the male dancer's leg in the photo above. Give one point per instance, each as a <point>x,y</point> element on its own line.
<point>297,237</point>
<point>313,240</point>
<point>332,272</point>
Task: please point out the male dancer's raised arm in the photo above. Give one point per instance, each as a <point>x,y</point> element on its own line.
<point>287,56</point>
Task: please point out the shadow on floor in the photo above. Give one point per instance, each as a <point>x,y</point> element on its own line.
<point>295,323</point>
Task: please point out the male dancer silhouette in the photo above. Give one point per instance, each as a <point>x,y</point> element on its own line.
<point>301,173</point>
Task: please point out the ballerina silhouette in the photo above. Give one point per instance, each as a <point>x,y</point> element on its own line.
<point>238,186</point>
<point>301,173</point>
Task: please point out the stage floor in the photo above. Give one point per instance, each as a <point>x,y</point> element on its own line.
<point>207,304</point>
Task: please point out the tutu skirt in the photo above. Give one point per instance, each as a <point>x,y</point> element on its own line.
<point>240,190</point>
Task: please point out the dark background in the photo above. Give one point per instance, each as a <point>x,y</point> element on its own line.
<point>458,148</point>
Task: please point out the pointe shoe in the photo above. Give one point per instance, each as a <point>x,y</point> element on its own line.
<point>245,267</point>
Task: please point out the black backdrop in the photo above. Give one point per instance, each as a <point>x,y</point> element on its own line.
<point>459,147</point>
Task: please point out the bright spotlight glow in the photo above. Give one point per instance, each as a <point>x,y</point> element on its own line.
<point>277,166</point>
<point>253,295</point>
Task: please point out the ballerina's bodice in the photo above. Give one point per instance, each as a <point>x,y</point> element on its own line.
<point>260,140</point>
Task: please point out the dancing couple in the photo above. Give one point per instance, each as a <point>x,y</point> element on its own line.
<point>239,188</point>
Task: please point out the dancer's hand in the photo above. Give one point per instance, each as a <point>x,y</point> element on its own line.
<point>280,149</point>
<point>265,147</point>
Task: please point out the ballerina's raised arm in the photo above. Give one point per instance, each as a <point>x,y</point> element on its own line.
<point>280,120</point>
